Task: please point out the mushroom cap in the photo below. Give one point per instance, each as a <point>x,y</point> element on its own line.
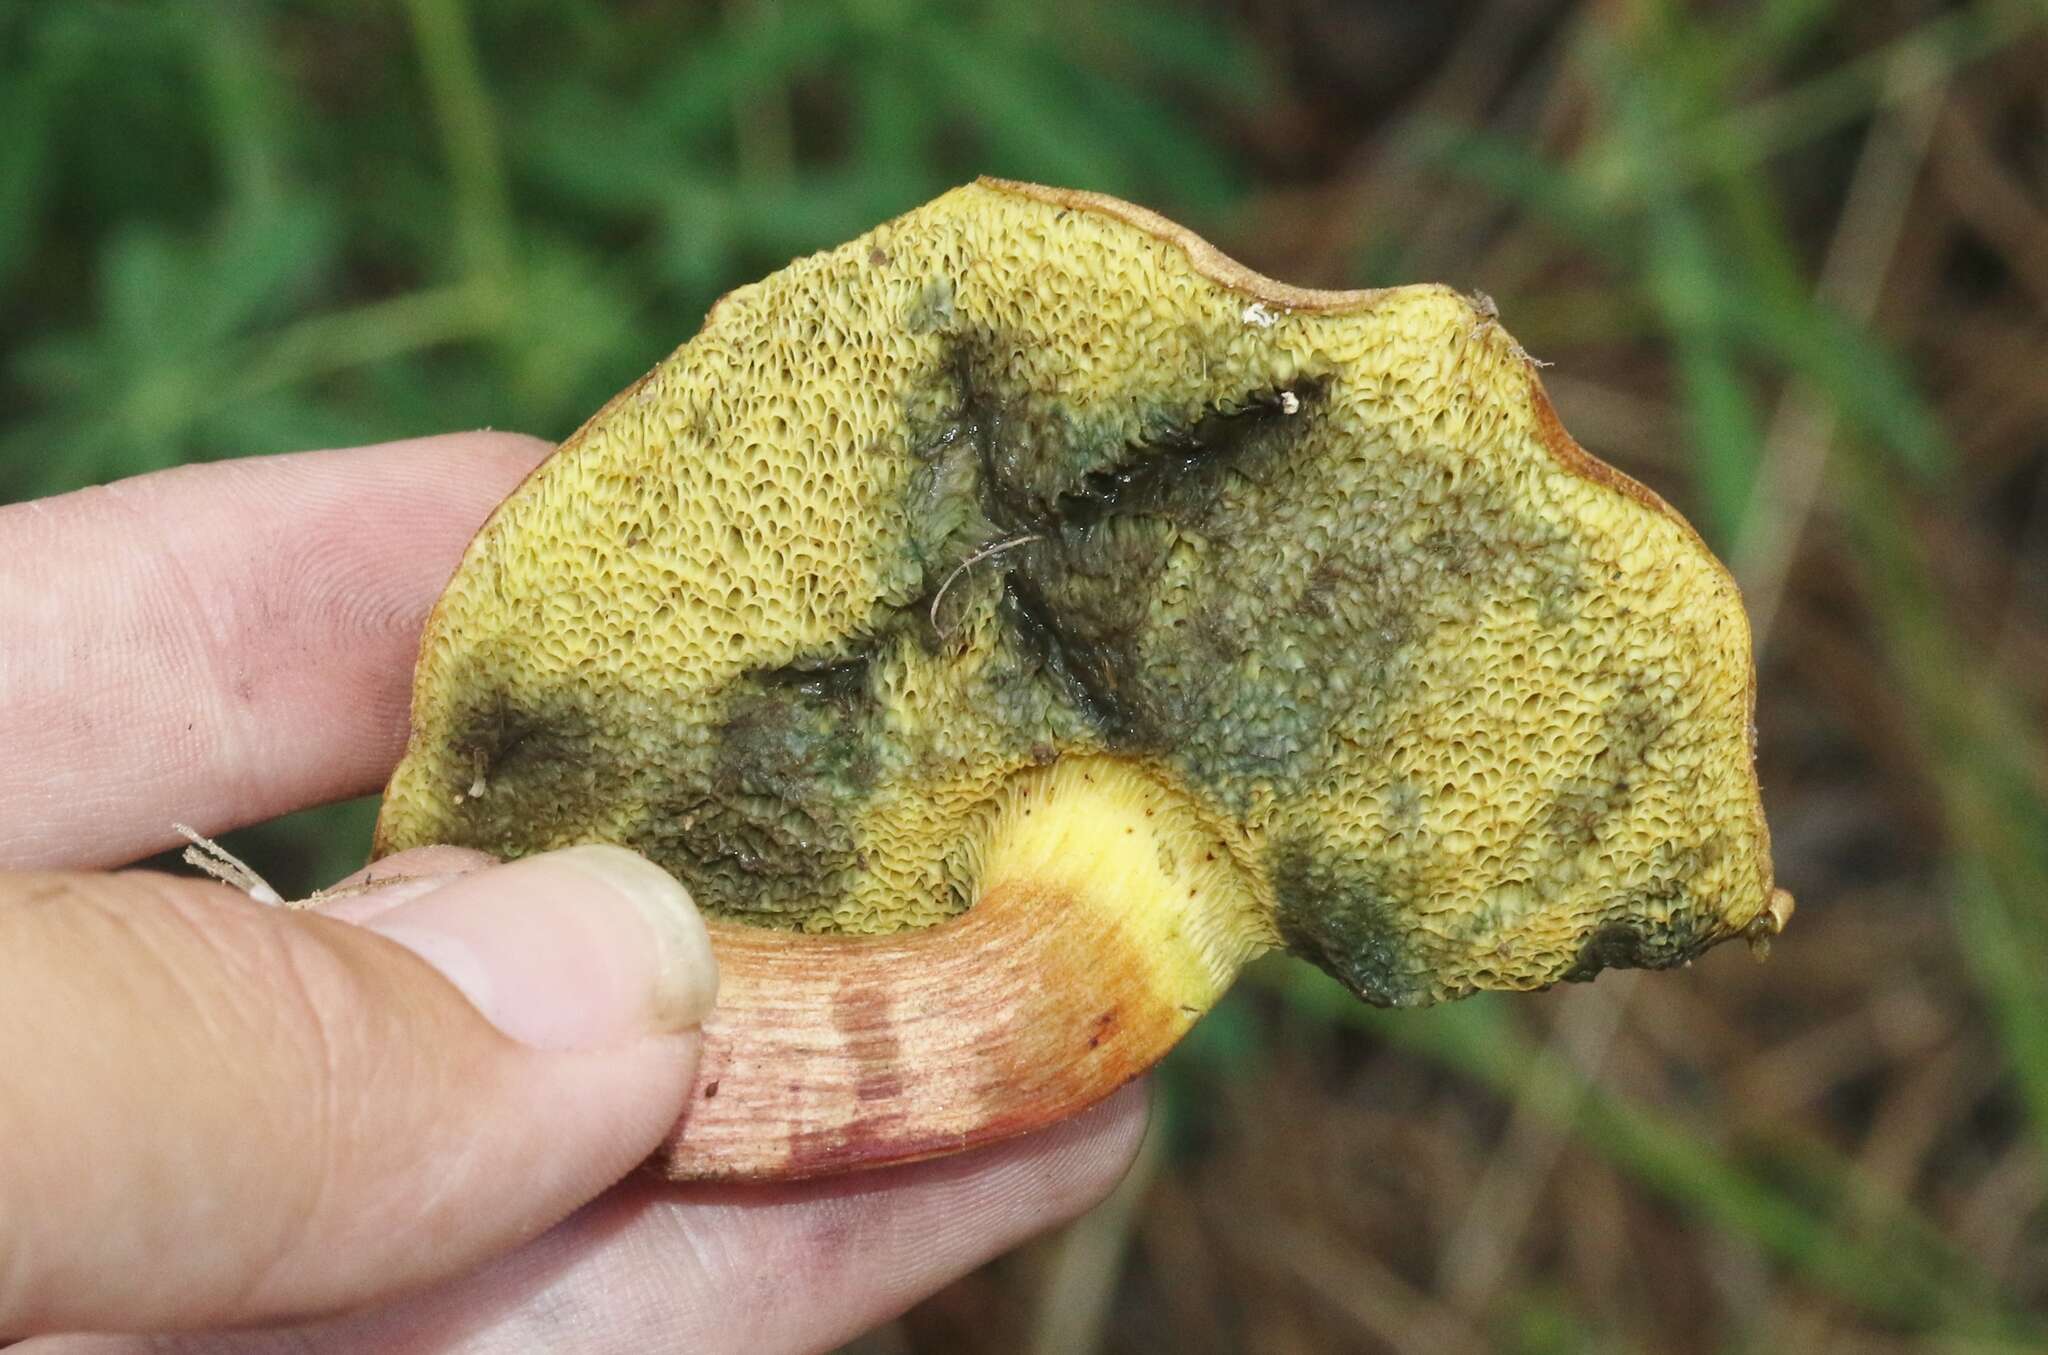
<point>917,530</point>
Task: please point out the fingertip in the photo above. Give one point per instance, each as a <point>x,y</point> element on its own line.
<point>517,449</point>
<point>583,948</point>
<point>1113,1131</point>
<point>257,625</point>
<point>1040,1180</point>
<point>868,1244</point>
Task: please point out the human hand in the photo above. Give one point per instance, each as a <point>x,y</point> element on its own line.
<point>401,1121</point>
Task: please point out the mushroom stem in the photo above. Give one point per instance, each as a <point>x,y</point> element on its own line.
<point>1101,933</point>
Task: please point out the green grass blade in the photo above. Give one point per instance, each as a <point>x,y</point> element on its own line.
<point>1905,1273</point>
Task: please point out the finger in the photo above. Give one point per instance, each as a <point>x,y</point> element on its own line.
<point>219,644</point>
<point>217,1113</point>
<point>733,1268</point>
<point>807,1268</point>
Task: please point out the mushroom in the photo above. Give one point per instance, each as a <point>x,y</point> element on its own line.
<point>1012,622</point>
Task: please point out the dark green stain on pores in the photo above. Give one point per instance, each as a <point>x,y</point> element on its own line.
<point>769,816</point>
<point>1344,922</point>
<point>754,808</point>
<point>521,765</point>
<point>1090,525</point>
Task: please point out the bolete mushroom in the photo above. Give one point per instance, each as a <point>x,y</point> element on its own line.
<point>1011,622</point>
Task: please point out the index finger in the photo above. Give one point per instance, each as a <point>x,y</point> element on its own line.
<point>223,643</point>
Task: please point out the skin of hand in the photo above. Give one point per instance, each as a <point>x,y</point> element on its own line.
<point>409,1119</point>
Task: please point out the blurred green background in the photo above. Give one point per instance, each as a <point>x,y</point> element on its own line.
<point>1789,260</point>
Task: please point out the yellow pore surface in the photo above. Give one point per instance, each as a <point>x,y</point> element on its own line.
<point>797,613</point>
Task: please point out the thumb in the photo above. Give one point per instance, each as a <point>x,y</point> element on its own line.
<point>220,1113</point>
